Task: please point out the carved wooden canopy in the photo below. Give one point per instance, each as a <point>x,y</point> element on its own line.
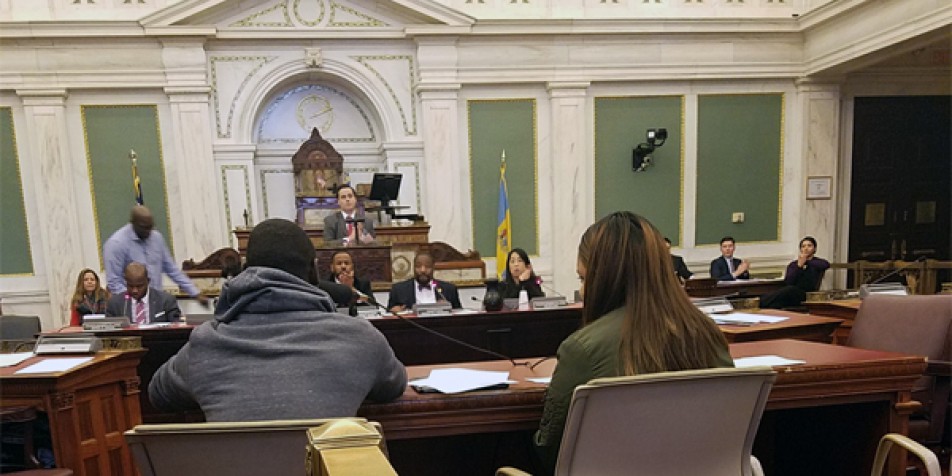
<point>318,168</point>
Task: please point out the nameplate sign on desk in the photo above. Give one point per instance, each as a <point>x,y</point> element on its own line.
<point>745,319</point>
<point>70,344</point>
<point>432,310</point>
<point>713,305</point>
<point>547,302</point>
<point>105,323</point>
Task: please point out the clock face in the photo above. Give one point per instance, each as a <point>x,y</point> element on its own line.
<point>315,111</point>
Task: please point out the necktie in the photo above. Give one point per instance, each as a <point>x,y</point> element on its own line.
<point>350,225</point>
<point>140,312</point>
<point>730,265</point>
<point>424,287</point>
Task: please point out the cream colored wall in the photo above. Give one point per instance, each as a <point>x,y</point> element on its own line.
<point>162,53</point>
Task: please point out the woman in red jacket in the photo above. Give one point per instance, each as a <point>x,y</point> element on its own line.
<point>89,297</point>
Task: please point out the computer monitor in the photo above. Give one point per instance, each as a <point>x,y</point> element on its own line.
<point>385,187</point>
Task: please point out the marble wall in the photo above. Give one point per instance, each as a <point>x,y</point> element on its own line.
<point>213,72</point>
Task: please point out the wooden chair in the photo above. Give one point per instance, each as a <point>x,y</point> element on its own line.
<point>218,449</point>
<point>347,448</point>
<point>665,424</point>
<point>929,460</point>
<point>920,325</point>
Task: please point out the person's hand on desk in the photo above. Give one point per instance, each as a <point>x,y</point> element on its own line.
<point>398,308</point>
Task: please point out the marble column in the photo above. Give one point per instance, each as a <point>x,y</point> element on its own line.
<point>820,106</point>
<point>53,171</point>
<point>445,175</point>
<point>196,210</point>
<point>235,172</point>
<point>570,173</point>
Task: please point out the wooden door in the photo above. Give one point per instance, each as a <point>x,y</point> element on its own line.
<point>899,207</point>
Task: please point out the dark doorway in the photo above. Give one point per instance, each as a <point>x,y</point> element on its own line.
<point>900,202</point>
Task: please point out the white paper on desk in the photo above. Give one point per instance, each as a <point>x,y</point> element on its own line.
<point>768,360</point>
<point>9,360</point>
<point>746,318</point>
<point>54,364</point>
<point>456,380</point>
<point>154,325</point>
<point>545,380</point>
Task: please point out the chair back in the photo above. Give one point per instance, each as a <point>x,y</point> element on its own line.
<point>19,327</point>
<point>260,448</point>
<point>670,423</point>
<point>920,325</point>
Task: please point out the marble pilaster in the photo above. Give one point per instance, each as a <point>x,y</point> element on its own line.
<point>235,175</point>
<point>445,177</point>
<point>820,106</point>
<point>570,173</point>
<point>53,173</point>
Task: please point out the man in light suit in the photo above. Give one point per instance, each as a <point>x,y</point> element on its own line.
<point>142,303</point>
<point>422,288</point>
<point>338,228</point>
<point>727,267</point>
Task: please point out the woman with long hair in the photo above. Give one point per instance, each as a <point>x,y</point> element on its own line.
<point>88,298</point>
<point>636,319</point>
<point>519,276</point>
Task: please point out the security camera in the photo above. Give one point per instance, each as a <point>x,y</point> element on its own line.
<point>656,137</point>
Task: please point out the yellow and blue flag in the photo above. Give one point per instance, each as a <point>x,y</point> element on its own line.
<point>504,228</point>
<point>136,182</point>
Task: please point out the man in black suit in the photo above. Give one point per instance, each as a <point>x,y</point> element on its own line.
<point>680,268</point>
<point>340,227</point>
<point>422,287</point>
<point>342,272</point>
<point>141,302</point>
<point>727,267</point>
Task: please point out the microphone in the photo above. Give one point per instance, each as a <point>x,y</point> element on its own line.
<point>547,288</point>
<point>438,290</point>
<point>897,270</point>
<point>369,298</point>
<point>451,339</point>
<point>125,308</point>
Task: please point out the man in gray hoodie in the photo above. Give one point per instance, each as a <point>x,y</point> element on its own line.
<point>277,349</point>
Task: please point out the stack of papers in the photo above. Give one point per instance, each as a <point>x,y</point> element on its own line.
<point>768,360</point>
<point>9,360</point>
<point>54,364</point>
<point>745,319</point>
<point>457,380</point>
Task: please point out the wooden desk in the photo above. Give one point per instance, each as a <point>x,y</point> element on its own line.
<point>89,407</point>
<point>823,417</point>
<point>844,309</point>
<point>741,287</point>
<point>796,326</point>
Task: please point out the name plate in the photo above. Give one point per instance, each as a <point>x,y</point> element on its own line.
<point>547,302</point>
<point>713,305</point>
<point>431,310</point>
<point>896,289</point>
<point>105,324</point>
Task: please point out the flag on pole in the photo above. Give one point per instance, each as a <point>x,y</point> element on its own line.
<point>504,228</point>
<point>136,183</point>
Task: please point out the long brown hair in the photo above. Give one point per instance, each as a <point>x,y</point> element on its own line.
<point>79,294</point>
<point>627,265</point>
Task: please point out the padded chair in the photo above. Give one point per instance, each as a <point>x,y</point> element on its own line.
<point>235,449</point>
<point>920,325</point>
<point>670,423</point>
<point>19,327</point>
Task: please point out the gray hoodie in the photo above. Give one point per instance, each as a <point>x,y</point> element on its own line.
<point>277,350</point>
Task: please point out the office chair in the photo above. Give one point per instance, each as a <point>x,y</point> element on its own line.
<point>19,327</point>
<point>920,325</point>
<point>670,423</point>
<point>258,448</point>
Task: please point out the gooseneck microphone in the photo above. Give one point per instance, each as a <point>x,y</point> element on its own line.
<point>444,336</point>
<point>125,308</point>
<point>897,270</point>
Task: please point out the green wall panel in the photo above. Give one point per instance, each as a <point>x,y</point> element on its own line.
<point>620,125</point>
<point>494,126</point>
<point>111,132</point>
<point>15,255</point>
<point>740,148</point>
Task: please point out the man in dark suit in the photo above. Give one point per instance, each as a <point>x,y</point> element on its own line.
<point>340,227</point>
<point>727,267</point>
<point>342,272</point>
<point>141,302</point>
<point>422,288</point>
<point>680,268</point>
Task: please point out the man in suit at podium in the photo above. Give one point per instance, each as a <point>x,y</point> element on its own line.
<point>727,267</point>
<point>341,227</point>
<point>141,302</point>
<point>422,288</point>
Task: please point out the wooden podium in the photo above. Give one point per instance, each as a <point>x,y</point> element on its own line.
<point>89,408</point>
